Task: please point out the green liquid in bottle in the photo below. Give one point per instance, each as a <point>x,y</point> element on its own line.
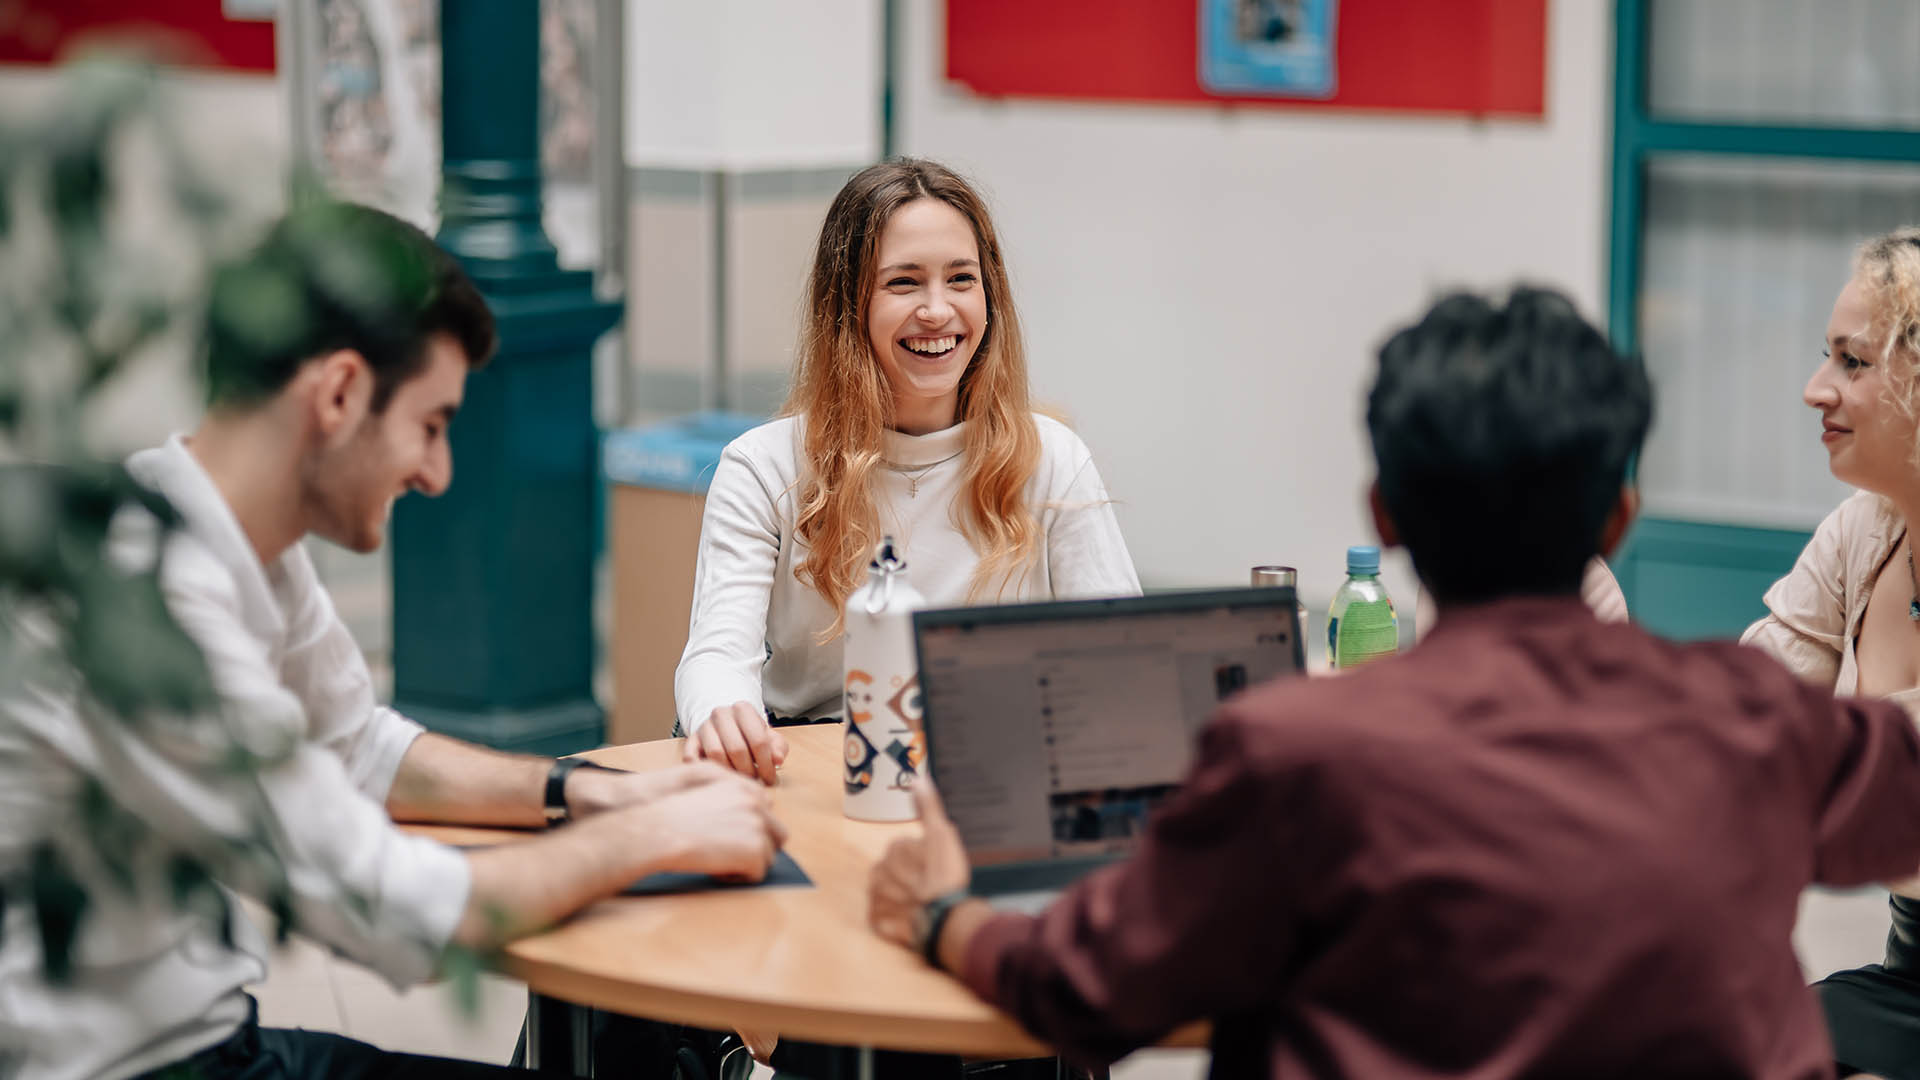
<point>1361,623</point>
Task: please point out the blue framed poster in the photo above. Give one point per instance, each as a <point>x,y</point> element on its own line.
<point>1282,48</point>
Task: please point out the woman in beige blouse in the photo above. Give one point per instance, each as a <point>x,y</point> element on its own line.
<point>1848,615</point>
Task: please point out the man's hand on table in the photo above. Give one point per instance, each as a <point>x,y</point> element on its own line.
<point>723,828</point>
<point>595,791</point>
<point>916,870</point>
<point>738,737</point>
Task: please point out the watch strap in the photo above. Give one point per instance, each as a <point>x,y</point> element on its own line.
<point>933,919</point>
<point>556,808</point>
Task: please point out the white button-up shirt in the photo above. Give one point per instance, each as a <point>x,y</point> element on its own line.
<point>151,986</point>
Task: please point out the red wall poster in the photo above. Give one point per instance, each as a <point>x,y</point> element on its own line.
<point>194,33</point>
<point>1478,57</point>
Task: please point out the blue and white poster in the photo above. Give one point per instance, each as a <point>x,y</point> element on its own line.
<point>1283,48</point>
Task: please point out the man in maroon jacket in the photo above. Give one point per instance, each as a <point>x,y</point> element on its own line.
<point>1537,845</point>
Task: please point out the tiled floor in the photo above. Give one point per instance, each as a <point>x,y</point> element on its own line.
<point>308,988</point>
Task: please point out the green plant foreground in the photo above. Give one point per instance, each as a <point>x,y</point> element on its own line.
<point>109,234</point>
<point>92,275</point>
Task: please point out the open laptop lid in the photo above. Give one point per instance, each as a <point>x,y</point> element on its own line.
<point>1054,729</point>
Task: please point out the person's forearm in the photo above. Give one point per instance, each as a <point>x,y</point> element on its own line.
<point>956,936</point>
<point>447,781</point>
<point>523,887</point>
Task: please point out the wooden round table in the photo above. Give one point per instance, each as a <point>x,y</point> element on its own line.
<point>799,961</point>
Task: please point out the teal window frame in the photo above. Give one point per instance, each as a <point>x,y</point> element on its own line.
<point>1686,578</point>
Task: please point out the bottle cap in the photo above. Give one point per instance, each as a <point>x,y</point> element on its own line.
<point>1275,575</point>
<point>1363,559</point>
<point>886,557</point>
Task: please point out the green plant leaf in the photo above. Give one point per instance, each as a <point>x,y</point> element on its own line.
<point>79,186</point>
<point>195,892</point>
<point>29,555</point>
<point>74,312</point>
<point>59,905</point>
<point>132,654</point>
<point>462,968</point>
<point>264,309</point>
<point>90,497</point>
<point>280,906</point>
<point>114,834</point>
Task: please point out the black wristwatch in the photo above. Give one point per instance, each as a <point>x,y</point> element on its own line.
<point>556,803</point>
<point>932,919</point>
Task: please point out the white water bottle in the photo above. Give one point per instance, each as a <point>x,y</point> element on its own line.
<point>884,748</point>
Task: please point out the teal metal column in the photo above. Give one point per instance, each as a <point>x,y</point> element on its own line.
<point>493,581</point>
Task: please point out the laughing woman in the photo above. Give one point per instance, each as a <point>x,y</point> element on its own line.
<point>908,416</point>
<point>1848,616</point>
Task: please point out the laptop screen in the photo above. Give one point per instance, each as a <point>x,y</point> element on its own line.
<point>1054,730</point>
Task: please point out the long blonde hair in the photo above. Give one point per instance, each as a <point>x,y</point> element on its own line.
<point>839,388</point>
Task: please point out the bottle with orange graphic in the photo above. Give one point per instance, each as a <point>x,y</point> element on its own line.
<point>885,751</point>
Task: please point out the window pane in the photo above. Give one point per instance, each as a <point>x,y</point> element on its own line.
<point>670,292</point>
<point>775,223</point>
<point>1850,63</point>
<point>1743,259</point>
<point>772,219</point>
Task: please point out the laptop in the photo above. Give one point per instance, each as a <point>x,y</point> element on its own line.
<point>1055,729</point>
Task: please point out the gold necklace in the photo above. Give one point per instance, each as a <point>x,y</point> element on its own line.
<point>913,476</point>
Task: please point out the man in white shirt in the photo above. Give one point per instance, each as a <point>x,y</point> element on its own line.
<point>337,356</point>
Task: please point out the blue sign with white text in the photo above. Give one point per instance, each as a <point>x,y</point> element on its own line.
<point>1278,47</point>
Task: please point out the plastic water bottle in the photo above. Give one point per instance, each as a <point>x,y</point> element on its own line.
<point>1267,576</point>
<point>885,750</point>
<point>1361,624</point>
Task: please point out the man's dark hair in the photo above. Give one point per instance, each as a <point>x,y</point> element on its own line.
<point>338,276</point>
<point>1503,434</point>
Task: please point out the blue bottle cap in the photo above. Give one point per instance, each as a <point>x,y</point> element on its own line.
<point>1363,559</point>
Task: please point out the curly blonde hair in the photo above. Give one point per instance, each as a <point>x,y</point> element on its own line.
<point>840,389</point>
<point>1888,269</point>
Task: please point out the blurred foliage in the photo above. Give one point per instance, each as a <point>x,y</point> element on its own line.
<point>111,236</point>
<point>107,230</point>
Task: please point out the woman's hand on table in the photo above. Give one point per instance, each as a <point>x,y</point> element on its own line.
<point>916,870</point>
<point>738,737</point>
<point>592,791</point>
